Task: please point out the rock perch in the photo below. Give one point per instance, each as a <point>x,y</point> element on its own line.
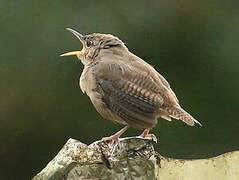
<point>133,158</point>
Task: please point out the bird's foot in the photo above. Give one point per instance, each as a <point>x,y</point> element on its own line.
<point>115,138</point>
<point>146,134</point>
<point>114,142</point>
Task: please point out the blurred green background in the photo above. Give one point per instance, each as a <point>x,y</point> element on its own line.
<point>194,44</point>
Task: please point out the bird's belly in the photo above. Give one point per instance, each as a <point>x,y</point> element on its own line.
<point>88,85</point>
<point>102,108</point>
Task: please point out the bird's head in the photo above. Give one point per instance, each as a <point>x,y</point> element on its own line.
<point>95,46</point>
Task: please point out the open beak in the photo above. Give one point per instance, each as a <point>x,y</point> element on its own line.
<point>77,34</point>
<point>76,53</point>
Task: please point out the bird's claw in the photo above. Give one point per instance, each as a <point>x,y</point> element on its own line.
<point>114,139</point>
<point>146,135</point>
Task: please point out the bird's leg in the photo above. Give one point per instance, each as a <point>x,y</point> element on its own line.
<point>115,137</point>
<point>146,134</point>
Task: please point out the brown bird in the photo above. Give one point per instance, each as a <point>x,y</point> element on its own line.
<point>123,88</point>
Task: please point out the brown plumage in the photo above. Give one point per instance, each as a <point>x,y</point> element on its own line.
<point>124,88</point>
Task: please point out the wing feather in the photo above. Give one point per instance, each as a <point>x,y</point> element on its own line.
<point>131,95</point>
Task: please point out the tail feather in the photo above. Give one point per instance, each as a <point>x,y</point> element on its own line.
<point>177,112</point>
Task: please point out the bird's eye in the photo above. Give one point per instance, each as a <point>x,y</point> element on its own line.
<point>88,43</point>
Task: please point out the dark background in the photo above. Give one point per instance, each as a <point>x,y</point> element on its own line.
<point>194,44</point>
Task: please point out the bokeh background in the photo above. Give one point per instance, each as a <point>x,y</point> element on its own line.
<point>194,44</point>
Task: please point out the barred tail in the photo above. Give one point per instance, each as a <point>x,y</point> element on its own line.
<point>177,112</point>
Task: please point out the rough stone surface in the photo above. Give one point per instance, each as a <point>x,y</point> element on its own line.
<point>133,159</point>
<point>130,159</point>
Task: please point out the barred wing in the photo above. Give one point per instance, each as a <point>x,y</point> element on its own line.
<point>132,95</point>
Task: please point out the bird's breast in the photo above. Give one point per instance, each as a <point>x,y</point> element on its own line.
<point>87,81</point>
<point>88,85</point>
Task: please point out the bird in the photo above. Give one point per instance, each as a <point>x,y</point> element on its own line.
<point>123,87</point>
